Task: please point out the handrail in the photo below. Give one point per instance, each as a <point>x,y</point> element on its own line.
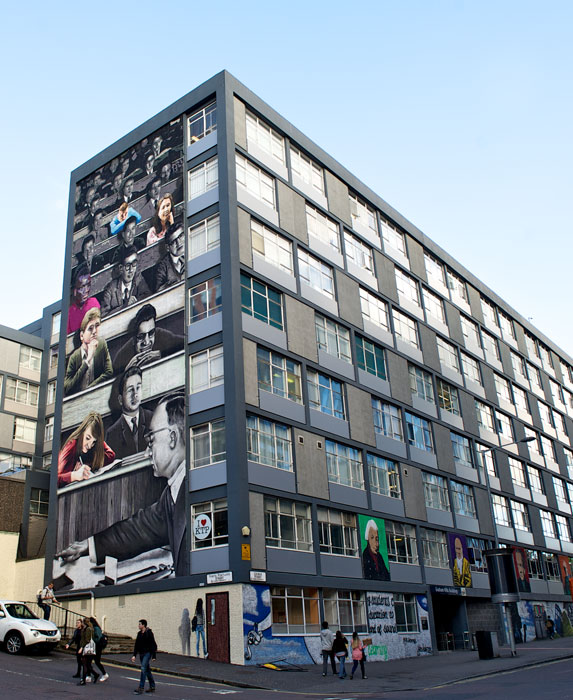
<point>62,617</point>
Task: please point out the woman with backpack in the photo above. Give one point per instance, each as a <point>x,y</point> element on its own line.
<point>101,642</point>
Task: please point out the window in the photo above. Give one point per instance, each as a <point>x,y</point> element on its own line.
<point>266,138</point>
<point>406,328</point>
<point>484,415</point>
<point>202,122</point>
<point>344,465</point>
<point>501,510</point>
<point>387,420</point>
<point>421,384</point>
<point>566,371</point>
<point>406,611</point>
<point>559,488</point>
<point>22,392</point>
<point>534,446</point>
<point>206,369</point>
<point>547,524</point>
<point>551,566</point>
<point>261,301</point>
<point>39,502</point>
<point>462,450</point>
<point>208,443</point>
<point>53,358</point>
<point>435,491</point>
<point>531,345</point>
<point>434,270</point>
<point>295,610</point>
<point>359,253</point>
<point>374,309</point>
<point>490,345</point>
<point>24,429</point>
<point>470,329</point>
<point>205,300</point>
<point>545,355</point>
<point>535,479</point>
<point>337,532</point>
<point>384,476</point>
<point>463,499</point>
<point>517,472</point>
<point>520,398</point>
<point>10,463</point>
<point>333,338</point>
<point>448,354</point>
<point>210,524</point>
<point>419,433</point>
<point>306,169</point>
<point>362,214</point>
<point>434,548</point>
<point>370,357</point>
<point>563,528</point>
<point>502,388</point>
<point>49,429</point>
<point>534,376</point>
<point>568,461</point>
<point>325,394</point>
<point>457,287</point>
<point>279,375</point>
<point>434,305</point>
<point>51,393</point>
<point>476,549</point>
<point>504,427</point>
<point>485,460</point>
<point>315,273</point>
<point>30,358</point>
<point>255,181</point>
<point>393,238</point>
<point>322,227</point>
<point>269,443</point>
<point>408,287</point>
<point>46,462</point>
<point>556,392</point>
<point>546,417</point>
<point>401,543</point>
<point>287,524</point>
<point>56,323</point>
<point>520,516</point>
<point>274,248</point>
<point>203,178</point>
<point>548,448</point>
<point>518,364</point>
<point>534,566</point>
<point>471,369</point>
<point>204,236</point>
<point>448,398</point>
<point>489,313</point>
<point>506,325</point>
<point>345,610</point>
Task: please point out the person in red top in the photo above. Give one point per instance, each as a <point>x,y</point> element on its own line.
<point>80,302</point>
<point>84,452</point>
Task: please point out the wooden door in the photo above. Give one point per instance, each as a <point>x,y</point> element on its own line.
<point>217,627</point>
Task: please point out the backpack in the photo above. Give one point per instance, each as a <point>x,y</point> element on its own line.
<point>103,640</point>
<point>98,634</point>
<point>194,624</point>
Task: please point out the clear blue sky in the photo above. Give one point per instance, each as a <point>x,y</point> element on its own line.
<point>459,114</point>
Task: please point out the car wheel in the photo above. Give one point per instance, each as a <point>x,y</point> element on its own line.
<point>14,643</point>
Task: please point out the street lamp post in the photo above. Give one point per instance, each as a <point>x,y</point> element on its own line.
<point>504,611</point>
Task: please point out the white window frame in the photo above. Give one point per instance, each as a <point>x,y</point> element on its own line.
<point>374,309</point>
<point>259,133</point>
<point>322,227</point>
<point>406,328</point>
<point>344,465</point>
<point>333,338</point>
<point>203,178</point>
<point>256,181</point>
<point>306,169</point>
<point>211,362</point>
<point>287,511</point>
<point>208,116</point>
<point>384,476</point>
<point>269,443</point>
<point>204,236</point>
<point>358,253</point>
<point>207,434</point>
<point>316,274</point>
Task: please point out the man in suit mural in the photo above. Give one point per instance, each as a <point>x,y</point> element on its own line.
<point>162,524</point>
<point>171,268</point>
<point>127,435</point>
<point>461,570</point>
<point>129,287</point>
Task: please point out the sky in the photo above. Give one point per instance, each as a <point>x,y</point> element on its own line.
<point>459,114</point>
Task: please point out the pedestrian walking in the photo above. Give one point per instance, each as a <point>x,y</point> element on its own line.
<point>340,649</point>
<point>47,598</point>
<point>326,640</point>
<point>358,655</point>
<point>76,640</point>
<point>100,642</point>
<point>550,627</point>
<point>146,647</point>
<point>88,650</point>
<point>200,626</point>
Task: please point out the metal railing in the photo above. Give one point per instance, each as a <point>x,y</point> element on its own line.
<point>62,617</point>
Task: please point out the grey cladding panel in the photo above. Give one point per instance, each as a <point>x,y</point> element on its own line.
<point>386,276</point>
<point>300,327</point>
<point>292,212</point>
<point>475,303</point>
<point>399,379</point>
<point>360,415</point>
<point>483,508</point>
<point>310,465</point>
<point>245,240</point>
<point>414,502</point>
<point>429,348</point>
<point>489,383</point>
<point>444,452</point>
<point>257,524</point>
<point>250,368</point>
<point>416,257</point>
<point>338,200</point>
<point>468,411</point>
<point>506,359</point>
<point>348,299</point>
<point>454,323</point>
<point>240,124</point>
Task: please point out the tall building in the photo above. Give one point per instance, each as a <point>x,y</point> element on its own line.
<point>279,397</point>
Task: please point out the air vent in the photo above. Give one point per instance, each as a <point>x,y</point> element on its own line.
<point>319,444</point>
<point>301,439</point>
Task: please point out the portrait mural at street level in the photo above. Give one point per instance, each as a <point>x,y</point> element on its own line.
<point>459,560</point>
<point>374,548</point>
<point>521,572</point>
<point>121,468</point>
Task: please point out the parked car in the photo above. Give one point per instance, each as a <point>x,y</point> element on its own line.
<point>20,628</point>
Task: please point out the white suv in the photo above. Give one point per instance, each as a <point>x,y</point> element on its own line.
<point>20,627</point>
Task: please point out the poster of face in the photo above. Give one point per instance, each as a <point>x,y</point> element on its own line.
<point>121,466</point>
<point>459,560</point>
<point>521,572</point>
<point>566,575</point>
<point>375,564</point>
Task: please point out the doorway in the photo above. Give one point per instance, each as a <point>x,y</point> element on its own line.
<point>217,626</point>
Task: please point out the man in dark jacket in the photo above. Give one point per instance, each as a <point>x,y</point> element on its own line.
<point>146,647</point>
<point>76,639</point>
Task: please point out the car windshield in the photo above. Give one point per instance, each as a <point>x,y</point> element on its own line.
<point>20,611</point>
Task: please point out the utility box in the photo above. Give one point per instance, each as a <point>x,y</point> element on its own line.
<point>487,644</point>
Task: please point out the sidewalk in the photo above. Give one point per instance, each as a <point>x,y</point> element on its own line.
<point>391,676</point>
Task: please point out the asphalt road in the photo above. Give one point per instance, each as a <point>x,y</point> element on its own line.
<point>35,677</point>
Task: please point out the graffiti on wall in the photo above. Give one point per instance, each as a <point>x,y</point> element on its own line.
<point>387,642</point>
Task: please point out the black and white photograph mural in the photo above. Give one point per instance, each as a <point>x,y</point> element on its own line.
<point>121,468</point>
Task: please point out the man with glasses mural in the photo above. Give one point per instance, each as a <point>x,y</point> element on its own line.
<point>162,524</point>
<point>129,287</point>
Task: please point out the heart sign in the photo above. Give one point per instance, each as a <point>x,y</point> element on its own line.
<point>202,526</point>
